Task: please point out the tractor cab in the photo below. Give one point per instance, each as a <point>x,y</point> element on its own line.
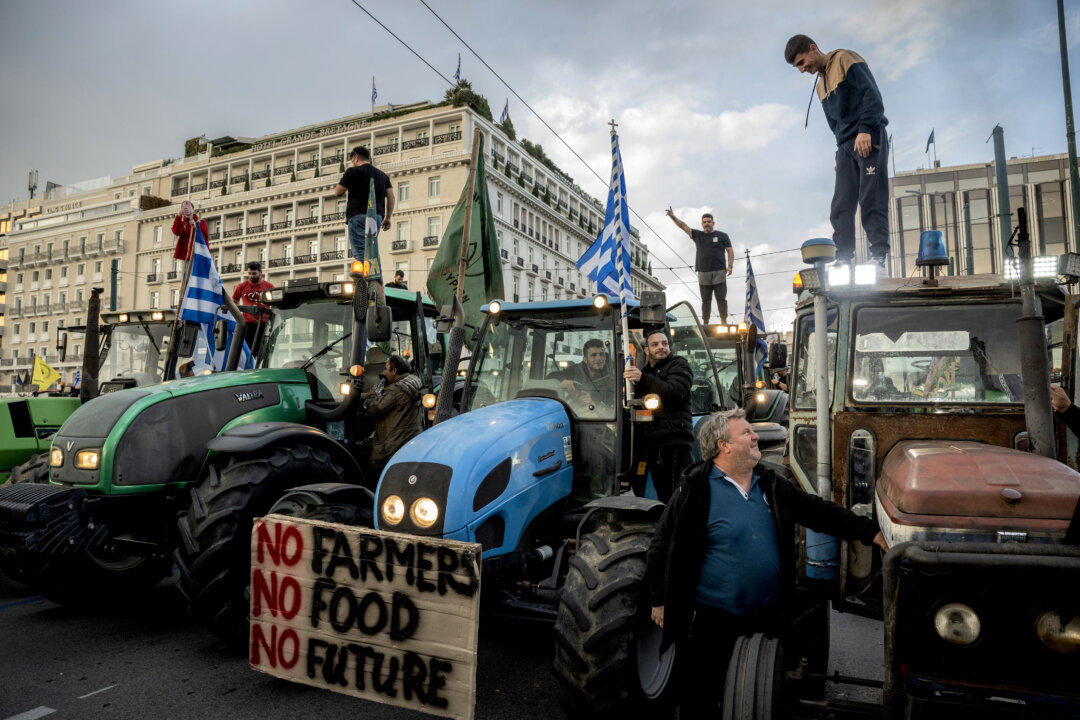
<point>134,348</point>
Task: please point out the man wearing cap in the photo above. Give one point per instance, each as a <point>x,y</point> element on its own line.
<point>250,292</point>
<point>667,439</point>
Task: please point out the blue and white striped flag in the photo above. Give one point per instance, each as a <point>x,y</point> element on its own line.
<point>457,73</point>
<point>755,317</point>
<point>201,303</point>
<point>607,261</point>
<point>78,378</point>
<point>505,112</point>
<point>374,92</point>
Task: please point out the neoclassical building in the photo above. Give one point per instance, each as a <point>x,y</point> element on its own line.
<point>271,199</point>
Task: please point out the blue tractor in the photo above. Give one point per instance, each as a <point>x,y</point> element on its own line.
<point>537,469</point>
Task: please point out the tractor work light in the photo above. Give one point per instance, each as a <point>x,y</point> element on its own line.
<point>393,510</point>
<point>424,512</point>
<point>345,388</point>
<point>429,400</point>
<point>157,315</point>
<point>494,307</point>
<point>1064,639</point>
<point>743,327</point>
<point>759,384</point>
<point>652,401</point>
<point>123,317</point>
<point>340,289</point>
<point>56,457</point>
<point>720,329</point>
<point>1069,266</point>
<point>865,274</point>
<point>957,624</point>
<point>88,459</point>
<point>1043,266</point>
<point>838,275</point>
<point>599,302</point>
<point>271,295</point>
<point>357,269</point>
<point>760,397</point>
<point>811,278</point>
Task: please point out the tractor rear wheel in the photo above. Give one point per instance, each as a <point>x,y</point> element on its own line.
<point>755,680</point>
<point>607,657</point>
<point>34,470</point>
<point>214,553</point>
<point>313,506</point>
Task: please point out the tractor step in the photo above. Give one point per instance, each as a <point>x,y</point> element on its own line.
<point>46,519</point>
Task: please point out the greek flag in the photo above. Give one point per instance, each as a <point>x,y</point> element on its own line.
<point>607,261</point>
<point>755,317</point>
<point>929,142</point>
<point>505,112</point>
<point>202,302</point>
<point>374,92</point>
<point>78,378</point>
<point>457,73</point>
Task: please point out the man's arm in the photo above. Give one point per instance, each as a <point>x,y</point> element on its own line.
<point>388,210</point>
<point>730,259</point>
<point>341,189</point>
<point>236,293</point>
<point>673,390</point>
<point>682,226</point>
<point>871,108</point>
<point>823,516</point>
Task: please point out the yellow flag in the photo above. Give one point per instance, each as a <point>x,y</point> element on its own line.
<point>44,375</point>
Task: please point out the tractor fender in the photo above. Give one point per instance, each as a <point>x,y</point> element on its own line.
<point>337,493</point>
<point>630,505</point>
<point>256,436</point>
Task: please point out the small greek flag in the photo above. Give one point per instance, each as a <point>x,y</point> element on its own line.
<point>201,304</point>
<point>374,92</point>
<point>457,73</point>
<point>505,112</point>
<point>78,378</point>
<point>755,317</point>
<point>607,261</point>
<point>929,142</point>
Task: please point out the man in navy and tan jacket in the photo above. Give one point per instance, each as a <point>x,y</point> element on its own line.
<point>856,115</point>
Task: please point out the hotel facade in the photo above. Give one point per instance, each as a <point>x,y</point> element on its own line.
<point>272,199</point>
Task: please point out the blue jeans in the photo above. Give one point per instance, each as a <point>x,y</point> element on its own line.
<point>358,232</point>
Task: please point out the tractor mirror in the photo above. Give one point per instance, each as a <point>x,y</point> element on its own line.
<point>61,345</point>
<point>188,337</point>
<point>777,355</point>
<point>221,334</point>
<point>380,323</point>
<point>652,310</point>
<point>446,319</point>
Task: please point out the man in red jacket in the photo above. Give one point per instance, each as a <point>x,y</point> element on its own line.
<point>183,228</point>
<point>250,292</point>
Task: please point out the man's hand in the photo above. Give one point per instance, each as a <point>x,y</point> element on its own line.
<point>729,269</point>
<point>632,373</point>
<point>670,214</point>
<point>879,540</point>
<point>1059,399</point>
<point>862,144</point>
<point>386,224</point>
<point>658,616</point>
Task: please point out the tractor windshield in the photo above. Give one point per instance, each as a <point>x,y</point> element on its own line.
<point>937,354</point>
<point>135,350</point>
<point>567,354</point>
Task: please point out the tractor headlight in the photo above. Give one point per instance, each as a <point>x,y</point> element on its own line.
<point>123,317</point>
<point>760,397</point>
<point>157,315</point>
<point>88,459</point>
<point>56,457</point>
<point>270,296</point>
<point>424,512</point>
<point>957,624</point>
<point>494,307</point>
<point>1064,639</point>
<point>599,302</point>
<point>652,401</point>
<point>429,400</point>
<point>345,389</point>
<point>393,510</point>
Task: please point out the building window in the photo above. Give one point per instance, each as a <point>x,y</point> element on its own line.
<point>421,134</point>
<point>157,234</point>
<point>455,128</point>
<point>339,243</point>
<point>434,227</point>
<point>1051,218</point>
<point>403,192</point>
<point>154,298</point>
<point>403,231</point>
<point>498,202</point>
<point>979,243</point>
<point>434,186</point>
<point>176,297</point>
<point>146,189</point>
<point>340,206</point>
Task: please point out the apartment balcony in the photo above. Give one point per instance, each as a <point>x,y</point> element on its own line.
<point>517,225</point>
<point>179,191</point>
<point>504,253</point>
<point>497,157</point>
<point>417,143</point>
<point>547,274</point>
<point>280,262</point>
<point>153,278</point>
<point>334,217</point>
<point>388,148</point>
<point>256,229</point>
<point>305,259</point>
<point>7,362</point>
<point>528,180</point>
<point>283,225</point>
<point>172,275</point>
<point>333,255</point>
<point>534,269</point>
<point>513,168</point>
<point>572,288</point>
<point>430,241</point>
<point>332,160</point>
<point>283,170</point>
<point>236,180</point>
<point>76,306</point>
<point>304,222</point>
<point>260,174</point>
<point>198,188</point>
<point>400,246</point>
<point>560,281</point>
<point>215,236</point>
<point>231,268</point>
<point>447,137</point>
<point>217,183</point>
<point>15,312</point>
<point>306,165</point>
<point>234,233</point>
<point>520,262</point>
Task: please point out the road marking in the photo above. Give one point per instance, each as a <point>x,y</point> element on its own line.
<point>81,697</point>
<point>38,712</point>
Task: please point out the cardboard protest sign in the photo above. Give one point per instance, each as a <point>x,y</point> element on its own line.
<point>382,616</point>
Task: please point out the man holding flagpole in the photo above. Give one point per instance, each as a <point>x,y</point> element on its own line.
<point>357,182</point>
<point>853,107</point>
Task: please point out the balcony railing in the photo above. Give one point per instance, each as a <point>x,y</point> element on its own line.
<point>497,156</point>
<point>310,220</point>
<point>504,253</point>
<point>572,288</point>
<point>547,274</point>
<point>215,235</point>
<point>388,148</point>
<point>418,142</point>
<point>231,268</point>
<point>5,362</point>
<point>260,174</point>
<point>431,241</point>
<point>513,168</point>
<point>172,275</point>
<point>237,179</point>
<point>333,255</point>
<point>283,225</point>
<point>217,183</point>
<point>179,191</point>
<point>234,233</point>
<point>332,160</point>
<point>76,305</point>
<point>560,281</point>
<point>280,262</point>
<point>153,277</point>
<point>535,269</point>
<point>284,170</point>
<point>307,165</point>
<point>256,229</point>
<point>447,137</point>
<point>198,188</point>
<point>399,245</point>
<point>521,262</point>
<point>304,259</point>
<point>334,217</point>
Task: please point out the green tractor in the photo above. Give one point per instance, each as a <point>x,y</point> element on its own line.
<point>215,450</point>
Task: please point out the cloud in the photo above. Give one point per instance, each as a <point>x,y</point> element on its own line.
<point>1047,39</point>
<point>903,34</point>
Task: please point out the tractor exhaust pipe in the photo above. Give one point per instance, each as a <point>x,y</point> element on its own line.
<point>91,349</point>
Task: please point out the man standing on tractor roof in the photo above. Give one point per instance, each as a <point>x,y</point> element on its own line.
<point>856,115</point>
<point>721,563</point>
<point>713,248</point>
<point>250,293</point>
<point>667,439</point>
<point>357,182</point>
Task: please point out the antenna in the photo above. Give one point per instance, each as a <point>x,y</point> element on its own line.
<point>32,183</point>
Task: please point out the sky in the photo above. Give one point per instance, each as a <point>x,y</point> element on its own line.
<point>710,117</point>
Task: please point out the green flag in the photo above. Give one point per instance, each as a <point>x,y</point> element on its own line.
<point>371,243</point>
<point>483,266</point>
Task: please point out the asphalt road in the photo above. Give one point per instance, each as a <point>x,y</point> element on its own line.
<point>149,660</point>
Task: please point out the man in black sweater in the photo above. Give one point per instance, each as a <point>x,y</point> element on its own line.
<point>721,563</point>
<point>669,436</point>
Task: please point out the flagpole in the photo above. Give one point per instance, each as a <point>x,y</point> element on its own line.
<point>628,389</point>
<point>465,232</point>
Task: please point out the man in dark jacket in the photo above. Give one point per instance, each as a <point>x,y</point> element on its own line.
<point>396,411</point>
<point>721,563</point>
<point>667,439</point>
<point>855,112</point>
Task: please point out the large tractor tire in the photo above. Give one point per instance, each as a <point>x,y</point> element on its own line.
<point>34,470</point>
<point>214,553</point>
<point>312,506</point>
<point>755,680</point>
<point>607,656</point>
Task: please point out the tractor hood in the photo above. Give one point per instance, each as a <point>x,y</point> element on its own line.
<point>941,490</point>
<point>490,471</point>
<point>149,436</point>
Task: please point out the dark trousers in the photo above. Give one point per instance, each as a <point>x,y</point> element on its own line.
<point>862,182</point>
<point>666,465</point>
<point>703,657</point>
<point>707,292</point>
<point>250,329</point>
